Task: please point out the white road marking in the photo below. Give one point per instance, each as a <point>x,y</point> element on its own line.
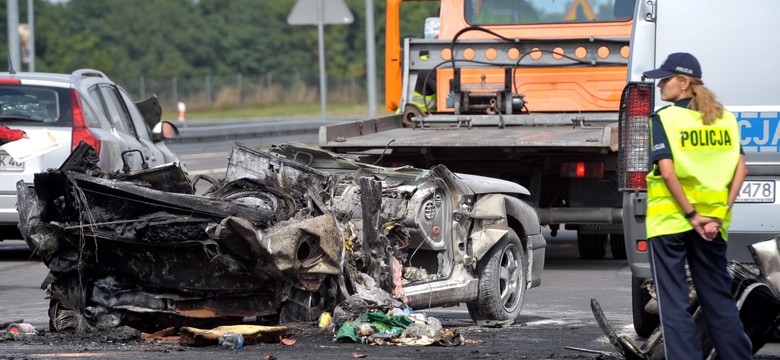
<point>199,156</point>
<point>206,172</point>
<point>546,322</point>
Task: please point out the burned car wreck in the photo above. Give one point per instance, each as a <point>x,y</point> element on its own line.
<point>287,234</point>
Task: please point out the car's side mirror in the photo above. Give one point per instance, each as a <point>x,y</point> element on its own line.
<point>164,130</point>
<point>150,110</point>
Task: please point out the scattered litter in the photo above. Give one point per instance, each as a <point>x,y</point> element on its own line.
<point>251,334</point>
<point>167,334</point>
<point>231,341</point>
<point>4,325</point>
<point>326,320</point>
<point>397,327</point>
<point>21,328</point>
<point>287,342</point>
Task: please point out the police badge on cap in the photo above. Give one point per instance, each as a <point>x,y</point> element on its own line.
<point>677,63</point>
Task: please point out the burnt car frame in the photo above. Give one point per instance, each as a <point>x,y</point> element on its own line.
<point>288,233</point>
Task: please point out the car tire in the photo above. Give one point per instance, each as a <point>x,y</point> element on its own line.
<point>644,322</point>
<point>617,243</point>
<point>592,246</point>
<point>503,278</point>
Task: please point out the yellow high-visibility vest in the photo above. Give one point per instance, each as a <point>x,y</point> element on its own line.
<point>705,158</point>
<point>425,103</point>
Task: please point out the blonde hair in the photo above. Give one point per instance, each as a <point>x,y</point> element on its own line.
<point>704,101</point>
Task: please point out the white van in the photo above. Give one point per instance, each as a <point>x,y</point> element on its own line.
<point>736,43</point>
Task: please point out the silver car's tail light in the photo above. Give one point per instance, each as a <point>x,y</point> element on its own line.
<point>80,129</point>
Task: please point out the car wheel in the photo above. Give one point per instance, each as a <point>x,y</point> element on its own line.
<point>617,244</point>
<point>592,246</point>
<point>644,322</point>
<point>502,283</point>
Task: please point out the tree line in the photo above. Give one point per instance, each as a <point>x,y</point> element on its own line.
<point>127,39</point>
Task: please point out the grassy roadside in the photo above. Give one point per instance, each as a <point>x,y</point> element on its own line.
<point>274,111</point>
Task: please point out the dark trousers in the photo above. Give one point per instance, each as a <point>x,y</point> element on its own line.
<point>708,266</point>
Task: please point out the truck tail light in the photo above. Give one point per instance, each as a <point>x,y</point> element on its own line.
<point>582,170</point>
<point>80,130</point>
<point>636,105</point>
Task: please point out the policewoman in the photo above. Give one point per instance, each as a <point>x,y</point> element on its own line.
<point>698,170</point>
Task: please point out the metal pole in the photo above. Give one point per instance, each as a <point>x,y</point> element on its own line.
<point>142,87</point>
<point>239,85</point>
<point>14,56</point>
<point>321,41</point>
<point>175,91</point>
<point>370,58</point>
<point>208,90</point>
<point>31,42</point>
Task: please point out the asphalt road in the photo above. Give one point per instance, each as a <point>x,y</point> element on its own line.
<point>556,315</point>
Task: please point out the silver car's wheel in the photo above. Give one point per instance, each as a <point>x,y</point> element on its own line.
<point>502,282</point>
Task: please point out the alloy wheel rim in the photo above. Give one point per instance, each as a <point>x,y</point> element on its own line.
<point>509,278</point>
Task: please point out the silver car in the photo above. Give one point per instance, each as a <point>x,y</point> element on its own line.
<point>69,108</point>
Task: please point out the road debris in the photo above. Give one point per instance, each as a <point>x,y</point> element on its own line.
<point>231,341</point>
<point>21,328</point>
<point>397,327</point>
<point>250,334</point>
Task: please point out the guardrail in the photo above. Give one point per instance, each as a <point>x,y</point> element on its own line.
<point>217,130</point>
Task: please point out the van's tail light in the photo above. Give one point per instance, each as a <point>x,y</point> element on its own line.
<point>80,129</point>
<point>636,105</point>
<point>582,170</point>
<point>641,245</point>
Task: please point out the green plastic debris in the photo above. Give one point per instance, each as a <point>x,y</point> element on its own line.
<point>401,321</point>
<point>347,333</point>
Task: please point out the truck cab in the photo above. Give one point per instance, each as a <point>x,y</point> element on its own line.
<point>740,67</point>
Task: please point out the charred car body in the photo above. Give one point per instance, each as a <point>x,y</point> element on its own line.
<point>286,234</point>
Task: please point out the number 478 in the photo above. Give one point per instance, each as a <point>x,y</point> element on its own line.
<point>757,189</point>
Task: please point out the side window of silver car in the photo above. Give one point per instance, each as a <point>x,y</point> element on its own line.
<point>115,110</point>
<point>138,120</point>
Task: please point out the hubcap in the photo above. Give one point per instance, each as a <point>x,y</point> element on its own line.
<point>509,278</point>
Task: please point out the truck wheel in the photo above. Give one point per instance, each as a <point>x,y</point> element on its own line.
<point>644,322</point>
<point>502,282</point>
<point>592,246</point>
<point>617,244</point>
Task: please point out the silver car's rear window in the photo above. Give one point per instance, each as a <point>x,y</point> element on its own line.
<point>35,105</point>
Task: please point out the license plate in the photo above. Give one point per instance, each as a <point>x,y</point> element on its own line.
<point>757,192</point>
<point>7,163</point>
